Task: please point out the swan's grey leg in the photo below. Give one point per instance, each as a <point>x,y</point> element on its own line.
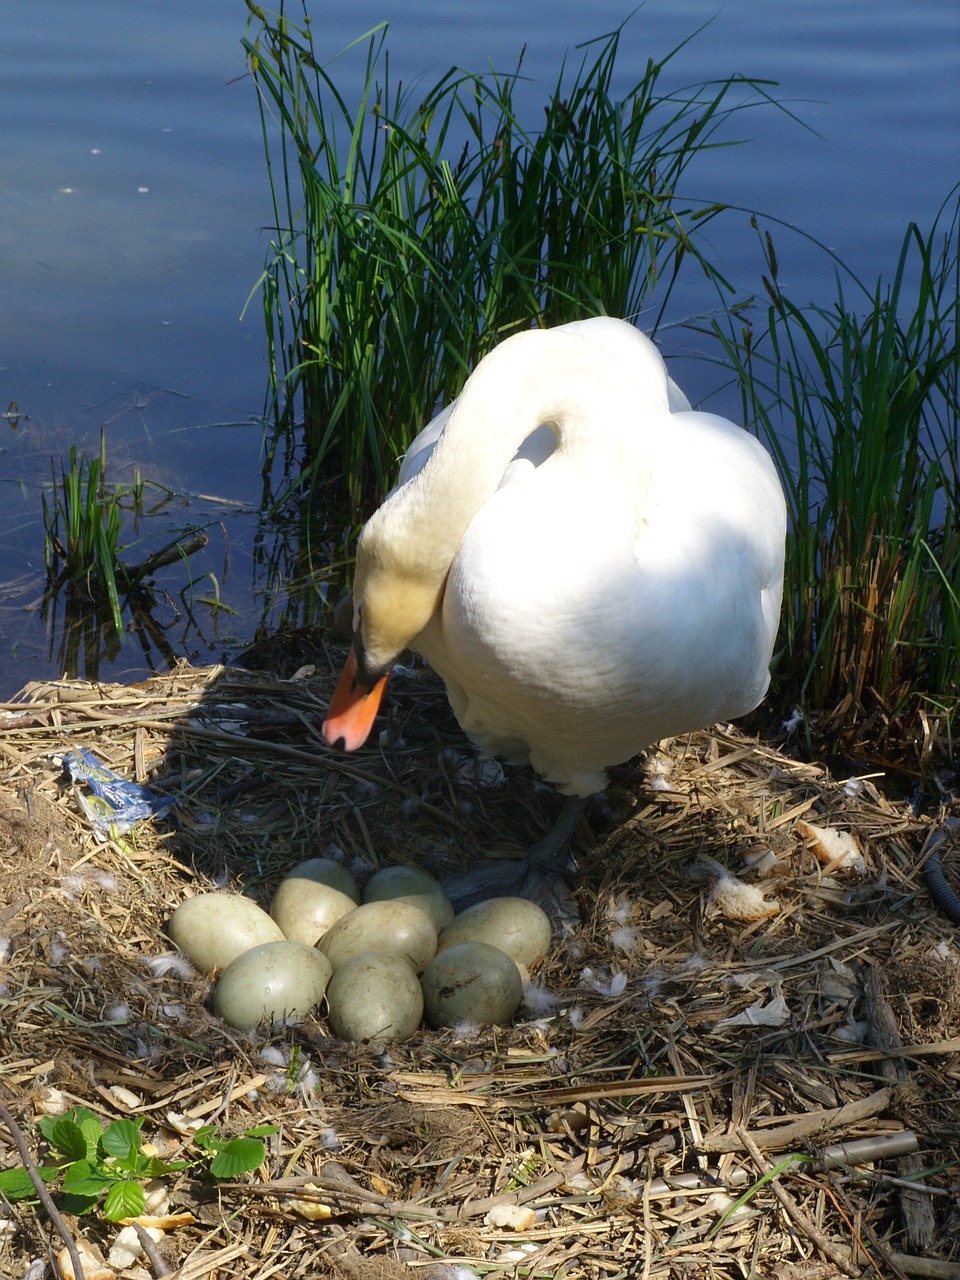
<point>552,853</point>
<point>541,875</point>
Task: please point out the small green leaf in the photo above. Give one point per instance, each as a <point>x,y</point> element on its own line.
<point>84,1119</point>
<point>122,1139</point>
<point>79,1115</point>
<point>16,1184</point>
<point>124,1200</point>
<point>92,1130</point>
<point>207,1138</point>
<point>77,1204</point>
<point>45,1125</point>
<point>153,1167</point>
<point>85,1179</point>
<point>261,1131</point>
<point>242,1155</point>
<point>68,1138</point>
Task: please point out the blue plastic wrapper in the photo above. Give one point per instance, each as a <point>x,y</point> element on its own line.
<point>113,804</point>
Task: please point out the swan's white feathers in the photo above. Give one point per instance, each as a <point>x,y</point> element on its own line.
<point>587,587</point>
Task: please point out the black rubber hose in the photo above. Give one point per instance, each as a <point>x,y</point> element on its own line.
<point>938,886</point>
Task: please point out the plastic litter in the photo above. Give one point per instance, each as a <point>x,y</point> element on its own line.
<point>113,804</point>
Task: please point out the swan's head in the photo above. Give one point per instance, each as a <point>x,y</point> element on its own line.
<point>394,597</point>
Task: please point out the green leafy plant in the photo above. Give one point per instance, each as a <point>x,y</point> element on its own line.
<point>93,1163</point>
<point>416,230</point>
<point>232,1157</point>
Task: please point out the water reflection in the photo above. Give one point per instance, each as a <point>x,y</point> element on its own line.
<point>302,551</point>
<point>80,617</point>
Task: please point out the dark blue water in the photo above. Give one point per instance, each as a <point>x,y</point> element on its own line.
<point>134,197</point>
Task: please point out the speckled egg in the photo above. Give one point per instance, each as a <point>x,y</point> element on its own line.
<point>396,926</point>
<point>212,929</point>
<point>312,897</point>
<point>515,925</point>
<point>409,884</point>
<point>375,995</point>
<point>278,980</point>
<point>471,982</point>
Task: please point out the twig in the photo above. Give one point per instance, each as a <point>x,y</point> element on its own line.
<point>149,1247</point>
<point>795,1213</point>
<point>882,1028</point>
<point>912,1265</point>
<point>789,1135</point>
<point>53,1213</point>
<point>205,1264</point>
<point>936,1048</point>
<point>169,555</point>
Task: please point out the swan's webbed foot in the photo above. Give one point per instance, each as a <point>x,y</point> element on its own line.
<point>543,875</point>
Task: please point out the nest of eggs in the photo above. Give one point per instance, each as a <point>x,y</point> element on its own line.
<point>744,1059</point>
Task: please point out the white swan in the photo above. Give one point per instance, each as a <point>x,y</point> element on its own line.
<point>588,564</point>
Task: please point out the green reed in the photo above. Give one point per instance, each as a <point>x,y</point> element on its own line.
<point>90,578</point>
<point>859,403</point>
<point>419,227</point>
<point>83,520</point>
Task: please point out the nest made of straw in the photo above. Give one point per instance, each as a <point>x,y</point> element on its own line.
<point>737,993</point>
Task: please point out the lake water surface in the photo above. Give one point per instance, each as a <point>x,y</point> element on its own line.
<point>134,200</point>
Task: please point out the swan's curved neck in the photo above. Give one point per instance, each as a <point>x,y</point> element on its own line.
<point>540,376</point>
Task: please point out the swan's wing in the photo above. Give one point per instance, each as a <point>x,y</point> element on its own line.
<point>734,490</point>
<point>578,625</point>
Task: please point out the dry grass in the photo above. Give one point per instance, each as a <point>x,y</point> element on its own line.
<point>627,1119</point>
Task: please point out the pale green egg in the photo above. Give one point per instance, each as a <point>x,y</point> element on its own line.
<point>471,982</point>
<point>396,926</point>
<point>312,897</point>
<point>212,929</point>
<point>515,925</point>
<point>410,884</point>
<point>278,980</point>
<point>375,995</point>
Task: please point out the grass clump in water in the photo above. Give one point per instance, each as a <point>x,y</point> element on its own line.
<point>417,230</point>
<point>88,573</point>
<point>859,403</point>
<point>83,522</point>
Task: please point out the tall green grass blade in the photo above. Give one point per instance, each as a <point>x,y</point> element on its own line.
<point>859,404</point>
<point>416,229</point>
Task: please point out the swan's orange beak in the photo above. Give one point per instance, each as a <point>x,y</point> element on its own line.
<point>353,707</point>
